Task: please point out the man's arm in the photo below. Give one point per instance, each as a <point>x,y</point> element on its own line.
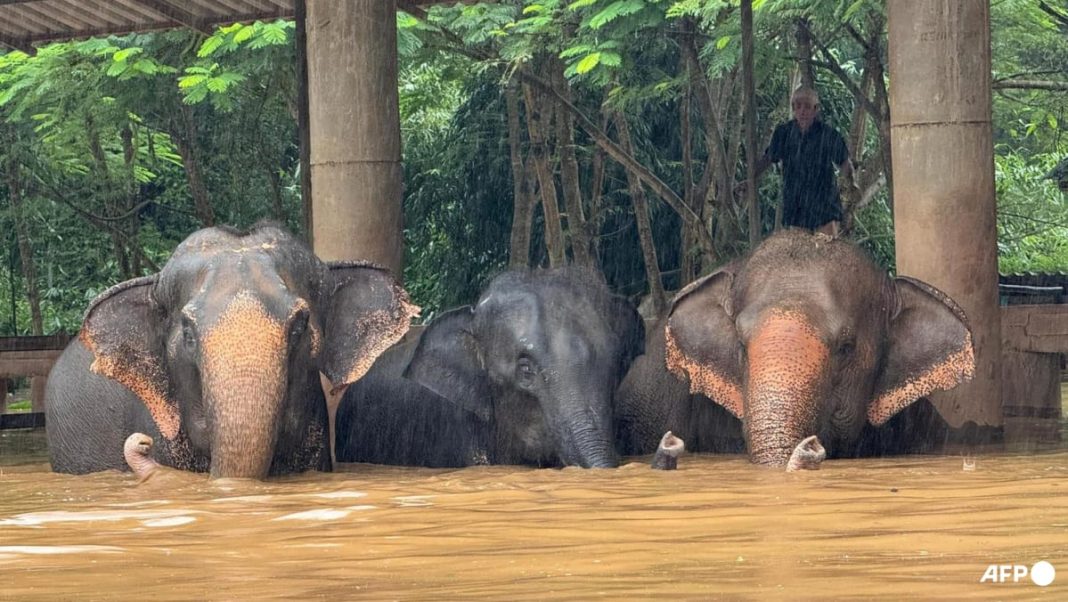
<point>762,165</point>
<point>845,170</point>
<point>841,158</point>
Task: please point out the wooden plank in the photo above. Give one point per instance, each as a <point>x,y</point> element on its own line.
<point>25,367</point>
<point>17,44</point>
<point>31,354</point>
<point>31,343</point>
<point>27,420</point>
<point>1035,328</point>
<point>30,22</point>
<point>178,14</point>
<point>56,13</point>
<point>59,20</point>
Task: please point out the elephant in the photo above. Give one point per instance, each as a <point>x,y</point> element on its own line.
<point>805,336</point>
<point>525,376</point>
<point>218,357</point>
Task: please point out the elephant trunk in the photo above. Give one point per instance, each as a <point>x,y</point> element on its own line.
<point>245,375</point>
<point>788,372</point>
<point>584,431</point>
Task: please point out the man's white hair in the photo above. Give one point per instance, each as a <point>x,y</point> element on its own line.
<point>805,92</point>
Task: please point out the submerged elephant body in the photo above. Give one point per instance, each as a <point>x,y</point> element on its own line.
<point>218,356</point>
<point>524,377</point>
<point>807,336</point>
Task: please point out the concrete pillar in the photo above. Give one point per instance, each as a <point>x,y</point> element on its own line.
<point>944,204</point>
<point>354,122</point>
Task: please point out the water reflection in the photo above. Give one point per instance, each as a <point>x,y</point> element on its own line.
<point>717,527</point>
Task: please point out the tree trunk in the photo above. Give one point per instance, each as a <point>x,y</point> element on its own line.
<point>278,208</point>
<point>185,139</point>
<point>641,219</point>
<point>623,158</point>
<point>554,236</point>
<point>522,203</point>
<point>804,54</point>
<point>883,125</point>
<point>29,268</point>
<point>750,122</point>
<point>597,170</point>
<point>103,190</point>
<point>689,264</point>
<point>569,174</point>
<point>13,285</point>
<point>133,222</point>
<point>715,191</point>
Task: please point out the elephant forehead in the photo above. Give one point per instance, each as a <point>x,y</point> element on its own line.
<point>785,344</point>
<point>220,274</point>
<point>220,289</point>
<point>245,325</point>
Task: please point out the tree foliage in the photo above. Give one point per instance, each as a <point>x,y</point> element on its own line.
<point>115,149</point>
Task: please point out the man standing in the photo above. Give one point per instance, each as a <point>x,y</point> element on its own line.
<point>808,150</point>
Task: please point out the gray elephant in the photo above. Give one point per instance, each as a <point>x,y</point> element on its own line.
<point>526,376</point>
<point>807,336</point>
<point>218,357</point>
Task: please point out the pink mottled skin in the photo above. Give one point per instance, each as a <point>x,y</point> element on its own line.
<point>138,453</point>
<point>807,455</point>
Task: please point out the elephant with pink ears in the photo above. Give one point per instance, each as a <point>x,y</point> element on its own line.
<point>217,358</point>
<point>806,336</point>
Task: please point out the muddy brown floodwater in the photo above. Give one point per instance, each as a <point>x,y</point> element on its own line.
<point>716,528</point>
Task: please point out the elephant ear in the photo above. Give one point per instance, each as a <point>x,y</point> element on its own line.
<point>448,361</point>
<point>368,311</point>
<point>120,329</point>
<point>701,343</point>
<point>929,349</point>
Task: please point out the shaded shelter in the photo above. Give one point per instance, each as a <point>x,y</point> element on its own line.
<point>349,120</point>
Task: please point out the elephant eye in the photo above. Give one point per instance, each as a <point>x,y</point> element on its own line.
<point>846,347</point>
<point>525,372</point>
<point>298,326</point>
<point>189,338</point>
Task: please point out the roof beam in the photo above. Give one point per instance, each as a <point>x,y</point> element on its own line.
<point>140,27</point>
<point>177,14</point>
<point>16,44</point>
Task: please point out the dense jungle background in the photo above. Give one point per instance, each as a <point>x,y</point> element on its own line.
<point>536,132</point>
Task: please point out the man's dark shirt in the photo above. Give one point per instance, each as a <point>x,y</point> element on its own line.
<point>809,192</point>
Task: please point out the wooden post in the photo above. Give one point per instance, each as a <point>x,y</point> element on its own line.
<point>37,393</point>
<point>354,121</point>
<point>943,158</point>
<point>3,395</point>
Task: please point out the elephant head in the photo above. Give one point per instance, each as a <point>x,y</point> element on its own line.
<point>226,343</point>
<point>538,357</point>
<point>809,337</point>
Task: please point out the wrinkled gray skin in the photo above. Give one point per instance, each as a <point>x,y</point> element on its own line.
<point>523,377</point>
<point>806,336</point>
<point>217,357</point>
<point>668,452</point>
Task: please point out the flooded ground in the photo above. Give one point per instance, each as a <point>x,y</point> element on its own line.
<point>717,528</point>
